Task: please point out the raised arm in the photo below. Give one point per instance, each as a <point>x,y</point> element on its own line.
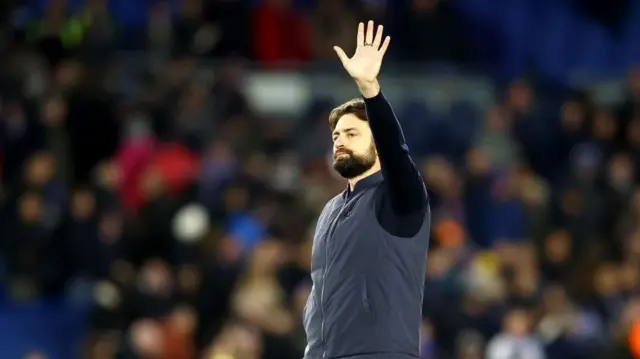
<point>405,184</point>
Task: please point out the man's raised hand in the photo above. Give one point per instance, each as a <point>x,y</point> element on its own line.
<point>364,65</point>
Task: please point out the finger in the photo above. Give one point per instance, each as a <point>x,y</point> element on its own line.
<point>378,40</point>
<point>360,39</point>
<point>385,45</point>
<point>341,55</point>
<point>369,33</point>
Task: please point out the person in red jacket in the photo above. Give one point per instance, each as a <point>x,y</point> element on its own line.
<point>280,34</point>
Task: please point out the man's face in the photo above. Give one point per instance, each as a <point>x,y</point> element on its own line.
<point>353,149</point>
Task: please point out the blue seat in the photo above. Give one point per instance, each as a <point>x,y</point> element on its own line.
<point>550,46</point>
<point>551,35</point>
<point>414,111</point>
<point>516,25</point>
<point>630,43</point>
<point>595,46</point>
<point>49,327</point>
<point>419,125</point>
<point>463,123</point>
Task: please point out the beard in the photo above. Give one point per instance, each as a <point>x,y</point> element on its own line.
<point>354,165</point>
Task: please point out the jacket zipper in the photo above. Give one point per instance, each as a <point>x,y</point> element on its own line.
<point>334,225</point>
<point>324,275</point>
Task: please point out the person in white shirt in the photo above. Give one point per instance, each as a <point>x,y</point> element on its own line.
<point>515,341</point>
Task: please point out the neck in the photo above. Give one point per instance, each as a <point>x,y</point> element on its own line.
<point>369,172</point>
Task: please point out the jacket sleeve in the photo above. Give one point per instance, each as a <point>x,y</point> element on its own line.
<point>406,187</point>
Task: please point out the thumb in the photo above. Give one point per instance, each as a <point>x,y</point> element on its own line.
<point>343,57</point>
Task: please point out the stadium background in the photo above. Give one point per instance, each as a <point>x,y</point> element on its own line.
<point>162,163</point>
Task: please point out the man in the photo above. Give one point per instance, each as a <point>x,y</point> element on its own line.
<point>516,339</point>
<point>369,250</point>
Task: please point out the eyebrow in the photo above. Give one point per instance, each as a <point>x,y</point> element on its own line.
<point>351,129</point>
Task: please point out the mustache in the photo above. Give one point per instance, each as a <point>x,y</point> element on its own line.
<point>342,152</point>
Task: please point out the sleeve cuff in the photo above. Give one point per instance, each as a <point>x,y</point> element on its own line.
<point>374,101</point>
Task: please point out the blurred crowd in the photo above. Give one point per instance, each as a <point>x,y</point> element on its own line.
<point>179,218</point>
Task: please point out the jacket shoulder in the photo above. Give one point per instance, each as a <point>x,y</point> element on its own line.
<point>326,211</point>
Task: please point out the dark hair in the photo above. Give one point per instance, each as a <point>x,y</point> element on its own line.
<point>355,107</point>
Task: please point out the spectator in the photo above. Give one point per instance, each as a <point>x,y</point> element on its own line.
<point>332,25</point>
<point>280,34</point>
<point>516,340</point>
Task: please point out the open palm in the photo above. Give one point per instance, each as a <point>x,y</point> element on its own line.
<point>364,65</point>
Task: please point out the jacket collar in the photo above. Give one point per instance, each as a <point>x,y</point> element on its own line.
<point>367,182</point>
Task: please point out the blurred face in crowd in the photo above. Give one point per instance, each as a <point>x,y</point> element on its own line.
<point>533,191</point>
<point>470,345</point>
<point>30,208</point>
<point>558,246</point>
<point>426,330</point>
<point>604,126</point>
<point>554,299</point>
<point>83,204</point>
<point>519,96</point>
<point>155,278</point>
<point>621,172</point>
<point>441,176</point>
<point>183,319</point>
<point>68,74</point>
<point>248,342</point>
<point>146,338</point>
<point>517,323</point>
<point>496,120</point>
<point>54,111</point>
<point>354,152</point>
<point>110,227</point>
<point>631,311</point>
<point>526,282</point>
<point>606,281</point>
<point>40,169</point>
<point>478,162</point>
<point>266,257</point>
<point>629,277</point>
<point>572,115</point>
<point>239,341</point>
<point>153,184</point>
<point>105,347</point>
<point>108,175</point>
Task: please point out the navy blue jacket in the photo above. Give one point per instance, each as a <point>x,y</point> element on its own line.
<point>369,257</point>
